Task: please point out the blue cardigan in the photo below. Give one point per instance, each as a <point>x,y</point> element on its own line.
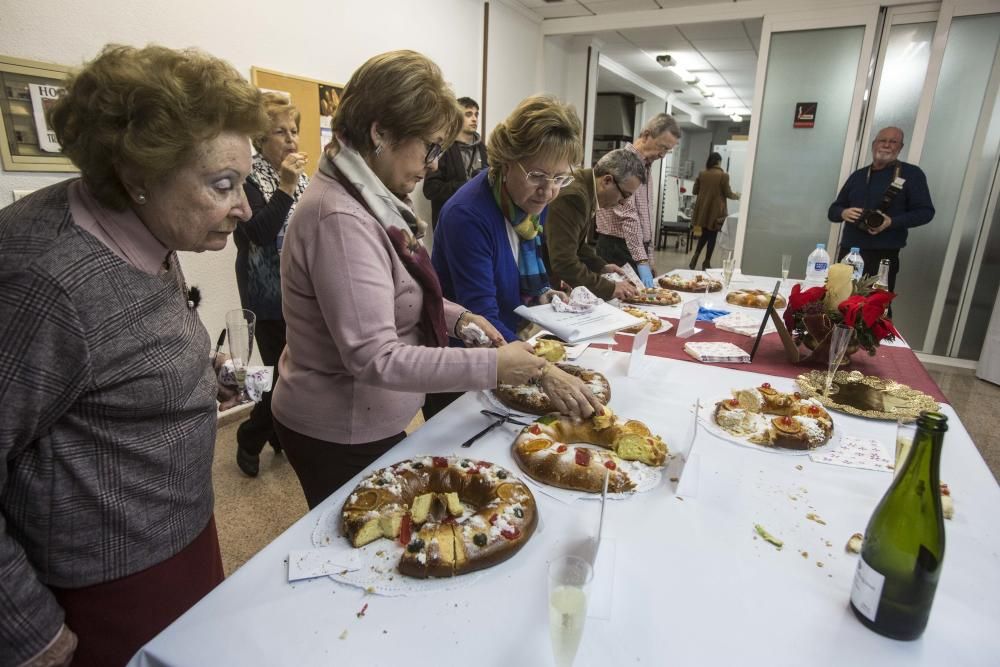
<point>473,259</point>
<point>911,208</point>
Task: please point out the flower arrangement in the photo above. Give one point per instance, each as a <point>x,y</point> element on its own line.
<point>811,313</point>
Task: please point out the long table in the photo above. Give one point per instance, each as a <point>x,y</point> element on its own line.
<point>691,583</point>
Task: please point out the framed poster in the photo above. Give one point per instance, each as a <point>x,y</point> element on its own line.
<point>316,101</point>
<point>27,89</point>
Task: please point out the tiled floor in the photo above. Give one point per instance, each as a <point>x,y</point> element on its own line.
<point>250,513</point>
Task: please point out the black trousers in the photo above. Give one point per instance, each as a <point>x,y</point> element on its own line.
<point>435,403</point>
<point>256,431</point>
<point>322,466</point>
<point>707,238</point>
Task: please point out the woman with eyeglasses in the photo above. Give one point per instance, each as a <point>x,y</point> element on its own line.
<point>367,327</point>
<point>488,241</point>
<point>274,185</point>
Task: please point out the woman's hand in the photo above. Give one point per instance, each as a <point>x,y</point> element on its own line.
<point>569,394</point>
<point>291,168</point>
<point>228,395</point>
<point>467,318</point>
<point>548,296</point>
<point>517,364</point>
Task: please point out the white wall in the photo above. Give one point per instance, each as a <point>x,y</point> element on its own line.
<point>321,40</point>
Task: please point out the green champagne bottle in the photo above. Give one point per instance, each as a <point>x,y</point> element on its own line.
<point>904,543</point>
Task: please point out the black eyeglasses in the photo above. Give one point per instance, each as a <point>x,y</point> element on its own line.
<point>625,195</point>
<point>434,151</point>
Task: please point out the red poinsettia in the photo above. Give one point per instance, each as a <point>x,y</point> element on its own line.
<point>864,311</point>
<point>799,299</point>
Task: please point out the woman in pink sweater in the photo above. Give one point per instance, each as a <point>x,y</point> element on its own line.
<point>367,326</point>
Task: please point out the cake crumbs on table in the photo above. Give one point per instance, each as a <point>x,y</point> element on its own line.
<point>343,635</point>
<point>805,554</point>
<point>812,516</point>
<point>798,467</point>
<point>819,563</point>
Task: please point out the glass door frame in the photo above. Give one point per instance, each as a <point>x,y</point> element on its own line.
<point>813,19</point>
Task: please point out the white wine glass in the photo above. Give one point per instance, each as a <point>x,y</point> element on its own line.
<point>569,587</point>
<point>905,432</point>
<point>728,266</point>
<point>786,263</point>
<point>240,325</point>
<point>840,336</point>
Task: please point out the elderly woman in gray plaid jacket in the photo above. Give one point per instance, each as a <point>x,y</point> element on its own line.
<point>107,392</point>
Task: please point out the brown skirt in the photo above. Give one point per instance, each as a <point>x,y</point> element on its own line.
<point>115,619</point>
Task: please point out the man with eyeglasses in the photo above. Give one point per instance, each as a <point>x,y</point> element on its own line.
<point>611,182</point>
<point>878,219</point>
<point>463,160</point>
<point>625,232</point>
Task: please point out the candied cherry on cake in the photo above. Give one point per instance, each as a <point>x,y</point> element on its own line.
<point>582,456</point>
<point>405,529</point>
<point>766,385</point>
<point>561,448</point>
<point>733,402</point>
<point>786,420</point>
<point>493,519</point>
<point>534,430</point>
<point>813,410</point>
<point>440,462</point>
<point>610,465</point>
<point>511,534</point>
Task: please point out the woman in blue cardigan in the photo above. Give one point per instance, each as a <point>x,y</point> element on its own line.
<point>488,240</point>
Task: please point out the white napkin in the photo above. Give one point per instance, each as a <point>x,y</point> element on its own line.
<point>581,300</point>
<point>258,379</point>
<point>854,452</point>
<point>717,353</point>
<point>472,334</point>
<point>742,323</point>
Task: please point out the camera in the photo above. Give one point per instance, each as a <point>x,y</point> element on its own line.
<point>665,60</point>
<point>870,218</point>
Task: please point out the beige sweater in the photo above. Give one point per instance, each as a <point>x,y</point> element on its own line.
<point>354,369</point>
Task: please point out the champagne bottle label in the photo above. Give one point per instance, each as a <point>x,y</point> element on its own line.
<point>867,590</point>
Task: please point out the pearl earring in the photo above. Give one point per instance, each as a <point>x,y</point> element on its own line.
<point>140,199</point>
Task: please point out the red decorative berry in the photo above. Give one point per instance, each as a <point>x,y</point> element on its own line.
<point>534,430</point>
<point>511,534</point>
<point>610,465</point>
<point>766,385</point>
<point>473,470</point>
<point>582,457</point>
<point>813,410</point>
<point>786,420</point>
<point>493,519</point>
<point>561,448</point>
<point>733,402</point>
<point>405,530</point>
<point>440,462</point>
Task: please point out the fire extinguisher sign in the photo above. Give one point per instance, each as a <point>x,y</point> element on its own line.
<point>805,114</point>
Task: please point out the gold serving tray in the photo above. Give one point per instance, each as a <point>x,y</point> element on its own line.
<point>867,396</point>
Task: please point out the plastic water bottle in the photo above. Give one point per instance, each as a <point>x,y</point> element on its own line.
<point>818,264</point>
<point>854,259</point>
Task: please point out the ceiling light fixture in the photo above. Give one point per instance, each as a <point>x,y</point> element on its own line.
<point>736,118</point>
<point>667,61</point>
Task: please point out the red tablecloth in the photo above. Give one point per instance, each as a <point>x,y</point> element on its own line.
<point>895,363</point>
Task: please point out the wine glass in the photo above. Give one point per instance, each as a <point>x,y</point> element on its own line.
<point>786,263</point>
<point>569,587</point>
<point>904,441</point>
<point>728,266</point>
<point>240,324</point>
<point>840,336</point>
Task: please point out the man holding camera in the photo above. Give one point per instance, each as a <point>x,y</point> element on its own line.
<point>880,203</point>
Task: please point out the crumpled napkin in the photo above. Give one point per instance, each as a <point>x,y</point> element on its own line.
<point>473,335</point>
<point>707,315</point>
<point>258,379</point>
<point>581,300</point>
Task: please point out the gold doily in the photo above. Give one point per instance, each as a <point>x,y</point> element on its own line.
<point>867,396</point>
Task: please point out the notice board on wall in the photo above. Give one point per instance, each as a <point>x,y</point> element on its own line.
<point>316,100</point>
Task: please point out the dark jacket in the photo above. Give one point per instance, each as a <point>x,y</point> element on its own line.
<point>258,269</point>
<point>712,189</point>
<point>570,257</point>
<point>449,177</point>
<point>911,208</point>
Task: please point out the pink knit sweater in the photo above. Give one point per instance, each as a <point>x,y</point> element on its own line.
<point>354,369</point>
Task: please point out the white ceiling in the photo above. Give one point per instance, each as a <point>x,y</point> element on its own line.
<point>723,54</point>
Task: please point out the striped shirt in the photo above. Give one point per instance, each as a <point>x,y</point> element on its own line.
<point>630,220</point>
<point>107,417</point>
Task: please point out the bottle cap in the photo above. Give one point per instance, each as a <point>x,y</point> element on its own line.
<point>820,246</point>
<point>855,249</point>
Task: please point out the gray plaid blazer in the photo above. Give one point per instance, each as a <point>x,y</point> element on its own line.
<point>107,417</point>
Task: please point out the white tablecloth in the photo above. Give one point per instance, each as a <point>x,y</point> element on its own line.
<point>692,585</point>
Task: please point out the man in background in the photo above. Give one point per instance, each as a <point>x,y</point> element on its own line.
<point>882,234</point>
<point>625,232</point>
<point>612,181</point>
<point>463,160</point>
